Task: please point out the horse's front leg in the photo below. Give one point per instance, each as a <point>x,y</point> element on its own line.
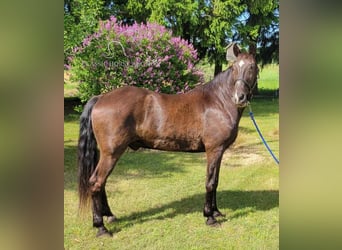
<point>217,212</point>
<point>210,210</point>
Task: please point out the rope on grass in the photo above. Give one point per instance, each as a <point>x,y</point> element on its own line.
<point>262,138</point>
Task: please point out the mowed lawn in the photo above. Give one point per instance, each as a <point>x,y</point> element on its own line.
<point>159,196</point>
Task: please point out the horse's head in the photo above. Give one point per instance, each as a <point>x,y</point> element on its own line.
<point>244,74</point>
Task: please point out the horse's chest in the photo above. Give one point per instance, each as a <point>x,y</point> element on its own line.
<point>220,128</point>
<point>231,137</point>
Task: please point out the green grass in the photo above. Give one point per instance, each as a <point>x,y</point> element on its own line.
<point>268,78</point>
<point>158,196</point>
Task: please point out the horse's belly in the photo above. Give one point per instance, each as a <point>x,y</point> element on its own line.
<point>179,145</point>
<point>171,144</point>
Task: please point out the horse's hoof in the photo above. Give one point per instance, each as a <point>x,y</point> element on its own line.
<point>218,214</point>
<point>111,219</point>
<point>103,232</point>
<point>211,221</point>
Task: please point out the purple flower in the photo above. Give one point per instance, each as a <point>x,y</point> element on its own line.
<point>107,26</point>
<point>112,19</point>
<point>86,41</point>
<point>190,65</point>
<point>167,57</point>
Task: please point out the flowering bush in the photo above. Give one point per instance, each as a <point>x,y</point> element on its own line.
<point>143,55</point>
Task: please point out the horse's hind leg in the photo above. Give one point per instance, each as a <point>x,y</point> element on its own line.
<point>97,215</point>
<point>105,207</point>
<point>100,208</point>
<point>99,199</point>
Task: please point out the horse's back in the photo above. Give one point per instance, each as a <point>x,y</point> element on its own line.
<point>127,94</point>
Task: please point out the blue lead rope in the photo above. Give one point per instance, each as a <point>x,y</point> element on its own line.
<point>262,138</point>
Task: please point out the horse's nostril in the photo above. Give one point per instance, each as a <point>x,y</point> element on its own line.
<point>241,97</point>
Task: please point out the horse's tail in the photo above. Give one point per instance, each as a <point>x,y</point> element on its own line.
<point>87,153</point>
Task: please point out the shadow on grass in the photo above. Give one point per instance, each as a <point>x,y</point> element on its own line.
<point>241,202</point>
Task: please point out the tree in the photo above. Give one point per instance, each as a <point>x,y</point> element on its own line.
<point>80,19</point>
<point>206,24</point>
<point>259,25</point>
<point>211,24</point>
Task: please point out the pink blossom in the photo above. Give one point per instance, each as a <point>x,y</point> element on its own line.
<point>112,19</point>
<point>167,57</point>
<point>190,65</point>
<point>154,58</point>
<point>107,25</point>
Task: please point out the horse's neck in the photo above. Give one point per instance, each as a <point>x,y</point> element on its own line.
<point>223,96</point>
<point>223,90</point>
<point>224,100</point>
<point>220,94</point>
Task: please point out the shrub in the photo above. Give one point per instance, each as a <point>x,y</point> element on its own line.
<point>143,55</point>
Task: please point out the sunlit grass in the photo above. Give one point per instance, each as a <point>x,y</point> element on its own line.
<point>269,77</point>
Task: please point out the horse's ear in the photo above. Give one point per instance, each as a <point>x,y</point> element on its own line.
<point>252,49</point>
<point>232,52</point>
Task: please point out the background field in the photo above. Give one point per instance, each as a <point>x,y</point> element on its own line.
<point>159,196</point>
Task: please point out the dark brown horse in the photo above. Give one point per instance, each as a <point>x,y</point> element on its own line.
<point>205,119</point>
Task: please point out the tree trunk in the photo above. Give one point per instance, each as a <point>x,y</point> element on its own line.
<point>186,31</point>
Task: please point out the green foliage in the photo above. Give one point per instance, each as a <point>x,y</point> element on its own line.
<point>262,6</point>
<point>80,19</point>
<point>261,26</point>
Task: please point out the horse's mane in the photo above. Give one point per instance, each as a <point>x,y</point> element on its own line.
<point>220,81</point>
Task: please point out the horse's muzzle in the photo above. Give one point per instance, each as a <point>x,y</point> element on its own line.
<point>240,99</point>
